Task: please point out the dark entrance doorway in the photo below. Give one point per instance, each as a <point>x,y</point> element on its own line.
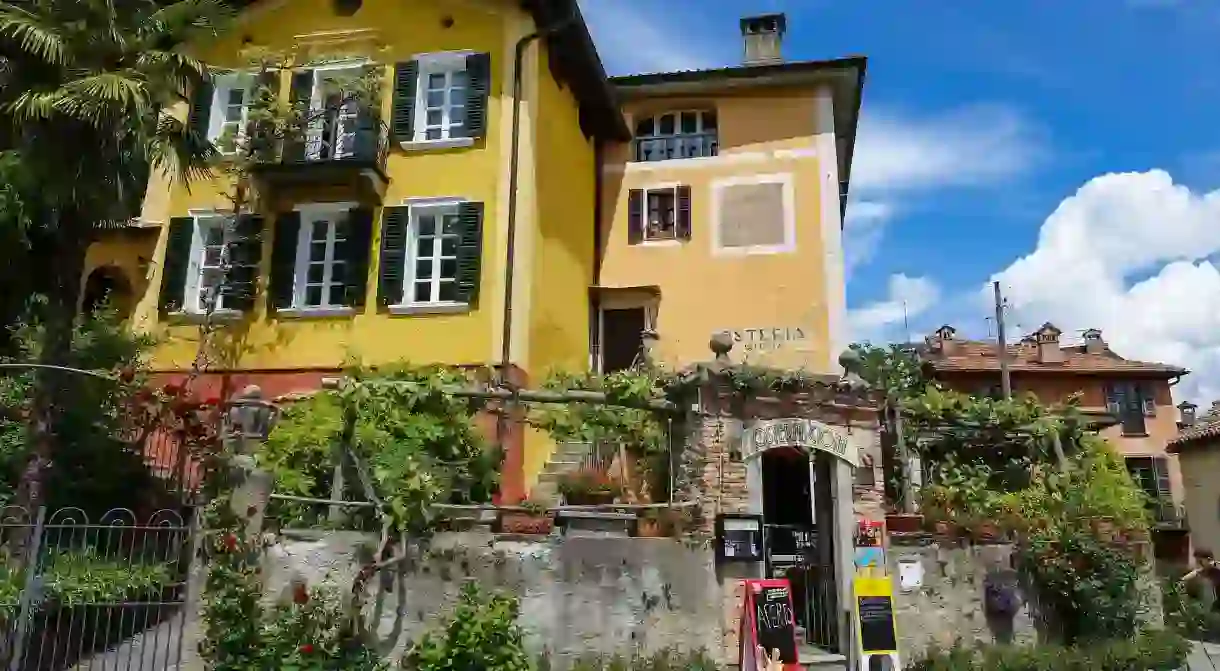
<point>107,286</point>
<point>798,524</point>
<point>622,338</point>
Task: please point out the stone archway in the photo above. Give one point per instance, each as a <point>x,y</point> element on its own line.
<point>107,284</point>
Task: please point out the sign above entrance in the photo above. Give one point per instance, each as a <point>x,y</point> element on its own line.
<point>806,434</point>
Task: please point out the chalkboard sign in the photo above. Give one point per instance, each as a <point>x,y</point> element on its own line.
<point>774,619</point>
<point>877,624</point>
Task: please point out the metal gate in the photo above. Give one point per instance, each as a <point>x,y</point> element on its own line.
<point>103,594</point>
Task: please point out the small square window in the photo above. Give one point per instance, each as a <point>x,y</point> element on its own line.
<point>660,215</point>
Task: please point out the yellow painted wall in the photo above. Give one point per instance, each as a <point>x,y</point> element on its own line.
<point>386,31</point>
<point>760,133</point>
<point>562,265</point>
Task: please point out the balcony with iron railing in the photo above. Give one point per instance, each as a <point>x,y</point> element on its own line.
<point>666,148</point>
<point>330,147</point>
<point>1168,515</point>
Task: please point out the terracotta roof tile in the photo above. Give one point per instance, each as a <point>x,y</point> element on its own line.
<point>978,356</point>
<point>1206,426</point>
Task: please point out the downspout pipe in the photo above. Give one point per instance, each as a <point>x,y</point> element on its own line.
<point>513,180</point>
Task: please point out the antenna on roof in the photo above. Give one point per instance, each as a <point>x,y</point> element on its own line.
<point>906,324</point>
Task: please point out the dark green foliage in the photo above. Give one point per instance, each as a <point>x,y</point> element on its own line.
<point>94,466</point>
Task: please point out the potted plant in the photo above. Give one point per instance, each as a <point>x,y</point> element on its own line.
<point>589,487</point>
<point>531,517</point>
<point>654,523</point>
<point>904,523</point>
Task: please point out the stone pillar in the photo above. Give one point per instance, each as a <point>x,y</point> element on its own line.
<point>247,423</point>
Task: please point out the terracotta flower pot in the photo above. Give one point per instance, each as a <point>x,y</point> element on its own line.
<point>985,532</point>
<point>647,527</point>
<point>945,529</point>
<point>904,523</point>
<point>530,524</point>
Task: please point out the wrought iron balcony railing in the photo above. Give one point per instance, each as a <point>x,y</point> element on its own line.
<point>331,137</point>
<point>695,145</point>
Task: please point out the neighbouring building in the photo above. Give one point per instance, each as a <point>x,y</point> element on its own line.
<point>623,210</point>
<point>724,211</point>
<point>1132,400</point>
<point>1197,447</point>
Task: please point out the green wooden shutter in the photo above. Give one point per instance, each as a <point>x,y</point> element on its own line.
<point>406,83</point>
<point>284,261</point>
<point>478,78</point>
<point>176,263</point>
<point>635,216</point>
<point>245,249</point>
<point>200,114</point>
<point>683,213</point>
<point>469,251</point>
<point>299,97</point>
<point>392,258</point>
<point>359,239</point>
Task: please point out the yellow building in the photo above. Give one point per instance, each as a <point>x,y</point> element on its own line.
<point>422,228</point>
<point>724,212</point>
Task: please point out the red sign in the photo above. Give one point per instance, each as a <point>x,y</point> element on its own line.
<point>768,621</point>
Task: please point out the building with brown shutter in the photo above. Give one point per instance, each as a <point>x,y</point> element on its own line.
<point>1133,401</point>
<point>1197,447</point>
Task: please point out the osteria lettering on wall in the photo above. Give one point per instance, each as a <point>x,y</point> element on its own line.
<point>769,338</point>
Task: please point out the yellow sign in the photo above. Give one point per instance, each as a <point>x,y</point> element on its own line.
<point>875,628</point>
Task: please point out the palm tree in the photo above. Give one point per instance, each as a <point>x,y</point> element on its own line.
<point>86,86</point>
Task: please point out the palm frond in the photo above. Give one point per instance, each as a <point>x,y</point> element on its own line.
<point>181,150</point>
<point>184,20</point>
<point>106,98</point>
<point>33,34</point>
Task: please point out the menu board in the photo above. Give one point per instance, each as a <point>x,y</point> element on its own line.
<point>739,538</point>
<point>877,624</point>
<point>771,619</point>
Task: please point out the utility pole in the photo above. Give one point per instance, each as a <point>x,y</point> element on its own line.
<point>1002,347</point>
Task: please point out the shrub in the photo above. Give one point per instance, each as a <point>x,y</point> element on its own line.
<point>481,634</point>
<point>1150,650</point>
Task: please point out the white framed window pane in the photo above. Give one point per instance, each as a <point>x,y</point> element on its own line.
<point>313,296</point>
<point>448,292</point>
<point>448,269</point>
<point>449,246</point>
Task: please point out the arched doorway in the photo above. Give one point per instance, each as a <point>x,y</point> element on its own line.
<point>107,285</point>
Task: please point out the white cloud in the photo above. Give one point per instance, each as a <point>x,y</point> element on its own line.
<point>907,297</point>
<point>634,37</point>
<point>1130,254</point>
<point>901,157</point>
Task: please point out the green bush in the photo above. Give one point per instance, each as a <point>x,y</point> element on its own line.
<point>1150,650</point>
<point>667,659</point>
<point>1188,615</point>
<point>481,634</point>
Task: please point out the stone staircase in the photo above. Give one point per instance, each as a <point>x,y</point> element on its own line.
<point>567,458</point>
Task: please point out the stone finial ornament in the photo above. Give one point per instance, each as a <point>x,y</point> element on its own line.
<point>721,344</point>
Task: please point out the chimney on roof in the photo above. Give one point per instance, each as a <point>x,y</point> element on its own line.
<point>1093,342</point>
<point>941,340</point>
<point>1047,339</point>
<point>762,36</point>
<point>1187,409</point>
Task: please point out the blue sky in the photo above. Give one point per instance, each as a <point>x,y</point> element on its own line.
<point>1069,150</point>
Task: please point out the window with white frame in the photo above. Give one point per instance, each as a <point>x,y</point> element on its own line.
<point>660,214</point>
<point>675,135</point>
<point>207,266</point>
<point>440,111</point>
<point>432,246</point>
<point>230,114</point>
<point>321,264</point>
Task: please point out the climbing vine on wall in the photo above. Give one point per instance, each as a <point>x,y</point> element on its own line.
<point>418,440</point>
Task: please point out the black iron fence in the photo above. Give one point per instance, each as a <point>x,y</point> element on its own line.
<point>102,593</point>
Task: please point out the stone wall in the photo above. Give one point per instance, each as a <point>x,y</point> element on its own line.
<point>578,594</point>
<point>949,604</point>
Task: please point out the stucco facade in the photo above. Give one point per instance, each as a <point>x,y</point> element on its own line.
<point>758,249</point>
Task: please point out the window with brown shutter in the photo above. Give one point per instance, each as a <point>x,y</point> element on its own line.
<point>659,214</point>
